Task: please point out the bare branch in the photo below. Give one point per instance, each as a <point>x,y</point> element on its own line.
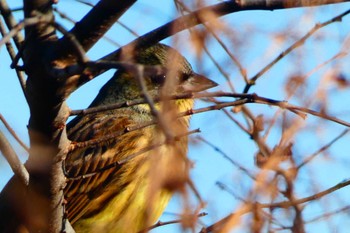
<point>12,54</point>
<point>71,20</point>
<point>297,44</point>
<point>198,17</point>
<point>39,32</point>
<point>13,133</point>
<point>322,149</point>
<point>10,22</point>
<point>329,214</point>
<point>29,22</point>
<point>240,167</point>
<point>284,204</point>
<point>89,30</point>
<point>12,158</point>
<point>161,121</point>
<point>160,223</point>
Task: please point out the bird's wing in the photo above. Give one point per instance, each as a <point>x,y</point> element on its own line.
<point>90,169</point>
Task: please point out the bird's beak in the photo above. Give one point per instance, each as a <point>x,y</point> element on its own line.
<point>197,83</point>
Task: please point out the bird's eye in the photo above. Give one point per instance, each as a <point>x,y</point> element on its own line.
<point>158,79</point>
<point>184,77</point>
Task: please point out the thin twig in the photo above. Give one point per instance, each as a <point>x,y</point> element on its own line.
<point>196,193</point>
<point>323,148</point>
<point>241,69</point>
<point>11,51</point>
<point>78,48</point>
<point>329,214</point>
<point>160,223</point>
<point>13,133</point>
<point>308,74</point>
<point>108,39</point>
<point>12,158</point>
<point>297,44</point>
<point>240,167</point>
<point>206,50</point>
<point>162,123</point>
<point>81,55</point>
<point>224,187</point>
<point>24,23</point>
<point>10,22</point>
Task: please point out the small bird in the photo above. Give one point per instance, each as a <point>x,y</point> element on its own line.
<point>123,183</point>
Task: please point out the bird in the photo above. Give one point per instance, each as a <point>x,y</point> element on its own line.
<point>122,183</point>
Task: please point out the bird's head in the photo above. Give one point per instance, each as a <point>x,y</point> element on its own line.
<point>178,73</point>
<point>174,77</point>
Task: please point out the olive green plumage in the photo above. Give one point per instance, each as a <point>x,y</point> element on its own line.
<point>132,195</point>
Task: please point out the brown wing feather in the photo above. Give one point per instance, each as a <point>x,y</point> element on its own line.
<point>81,193</point>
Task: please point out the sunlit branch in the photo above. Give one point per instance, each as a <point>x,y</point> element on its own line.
<point>13,133</point>
<point>158,117</point>
<point>284,204</point>
<point>12,158</point>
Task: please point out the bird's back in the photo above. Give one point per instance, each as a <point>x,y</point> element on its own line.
<point>109,189</point>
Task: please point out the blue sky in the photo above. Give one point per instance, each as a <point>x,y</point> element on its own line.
<point>257,44</point>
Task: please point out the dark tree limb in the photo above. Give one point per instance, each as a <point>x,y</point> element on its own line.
<point>39,32</point>
<point>48,139</point>
<point>98,21</point>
